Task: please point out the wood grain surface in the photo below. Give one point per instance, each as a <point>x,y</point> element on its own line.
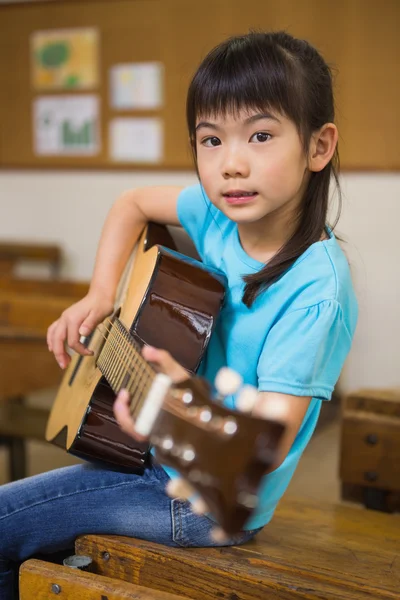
<point>42,581</point>
<point>309,551</point>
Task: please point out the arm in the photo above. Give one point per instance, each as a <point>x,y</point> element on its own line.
<point>296,409</point>
<point>122,228</point>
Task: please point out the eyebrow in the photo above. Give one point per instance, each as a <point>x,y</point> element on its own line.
<point>248,121</point>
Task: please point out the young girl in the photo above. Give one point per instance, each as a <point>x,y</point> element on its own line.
<point>260,115</point>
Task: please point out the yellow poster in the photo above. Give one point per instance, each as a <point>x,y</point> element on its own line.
<point>65,59</point>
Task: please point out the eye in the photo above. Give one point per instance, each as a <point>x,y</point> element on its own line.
<point>260,137</point>
<point>211,142</point>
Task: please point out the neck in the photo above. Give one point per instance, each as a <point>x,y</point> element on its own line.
<point>123,365</point>
<point>263,239</point>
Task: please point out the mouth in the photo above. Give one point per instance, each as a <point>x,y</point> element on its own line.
<point>239,196</point>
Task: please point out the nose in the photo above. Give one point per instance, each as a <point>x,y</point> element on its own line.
<point>235,163</point>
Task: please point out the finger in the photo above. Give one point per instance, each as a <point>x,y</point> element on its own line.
<point>122,412</point>
<point>74,339</point>
<point>123,415</point>
<point>154,354</point>
<point>58,344</point>
<point>166,363</point>
<point>49,336</point>
<point>89,324</point>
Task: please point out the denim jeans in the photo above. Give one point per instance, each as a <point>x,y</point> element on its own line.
<point>45,514</point>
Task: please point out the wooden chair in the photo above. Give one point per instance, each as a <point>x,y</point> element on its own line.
<point>40,580</point>
<point>310,551</point>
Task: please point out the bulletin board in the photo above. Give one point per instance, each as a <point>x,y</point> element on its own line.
<point>359,39</point>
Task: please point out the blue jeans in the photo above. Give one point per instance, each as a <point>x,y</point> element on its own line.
<point>45,514</point>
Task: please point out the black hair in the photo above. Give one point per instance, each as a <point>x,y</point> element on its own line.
<point>277,72</point>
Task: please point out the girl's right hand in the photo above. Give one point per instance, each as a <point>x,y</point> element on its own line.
<point>79,319</point>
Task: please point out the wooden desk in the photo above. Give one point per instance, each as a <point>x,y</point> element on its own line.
<point>310,551</point>
<point>27,308</point>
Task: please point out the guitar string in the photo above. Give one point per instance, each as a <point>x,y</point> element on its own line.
<point>115,365</point>
<point>134,344</point>
<point>141,379</point>
<point>133,348</point>
<point>169,406</point>
<point>134,351</point>
<point>148,373</point>
<point>137,370</point>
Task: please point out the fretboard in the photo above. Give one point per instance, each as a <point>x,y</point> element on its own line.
<point>123,365</point>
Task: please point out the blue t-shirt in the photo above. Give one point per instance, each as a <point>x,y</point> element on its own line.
<point>293,339</point>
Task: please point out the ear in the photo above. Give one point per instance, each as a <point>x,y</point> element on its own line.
<point>322,146</point>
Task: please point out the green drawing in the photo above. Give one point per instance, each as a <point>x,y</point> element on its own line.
<point>73,136</point>
<point>71,81</point>
<point>53,55</point>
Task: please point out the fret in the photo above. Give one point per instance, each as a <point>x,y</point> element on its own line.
<point>122,364</point>
<point>112,364</point>
<point>107,352</point>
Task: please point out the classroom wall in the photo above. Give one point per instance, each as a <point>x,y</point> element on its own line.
<point>69,208</point>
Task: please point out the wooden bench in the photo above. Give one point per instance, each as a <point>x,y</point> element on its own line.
<point>11,254</point>
<point>310,550</point>
<point>40,580</point>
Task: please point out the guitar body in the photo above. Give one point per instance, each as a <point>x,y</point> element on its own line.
<point>169,301</point>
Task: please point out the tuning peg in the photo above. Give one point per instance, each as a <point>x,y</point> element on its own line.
<point>199,507</point>
<point>179,488</point>
<point>227,381</point>
<point>219,536</point>
<point>247,398</point>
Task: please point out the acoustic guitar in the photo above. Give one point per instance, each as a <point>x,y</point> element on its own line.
<point>170,301</point>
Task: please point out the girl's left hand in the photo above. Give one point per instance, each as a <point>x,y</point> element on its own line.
<point>166,364</point>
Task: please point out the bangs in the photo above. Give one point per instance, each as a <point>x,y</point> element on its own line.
<point>242,76</point>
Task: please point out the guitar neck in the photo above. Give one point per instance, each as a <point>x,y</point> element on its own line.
<point>123,365</point>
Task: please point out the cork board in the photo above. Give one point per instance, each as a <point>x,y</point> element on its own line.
<point>359,39</point>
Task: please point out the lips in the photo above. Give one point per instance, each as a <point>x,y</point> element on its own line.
<point>239,194</point>
<point>239,197</point>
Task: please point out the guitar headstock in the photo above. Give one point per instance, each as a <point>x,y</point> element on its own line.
<point>222,454</point>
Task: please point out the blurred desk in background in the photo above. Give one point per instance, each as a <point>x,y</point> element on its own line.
<point>27,308</point>
<point>11,254</point>
<point>370,449</point>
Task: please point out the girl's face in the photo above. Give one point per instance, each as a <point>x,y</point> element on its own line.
<point>252,166</point>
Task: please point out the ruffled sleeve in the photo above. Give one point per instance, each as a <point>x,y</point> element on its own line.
<point>304,352</point>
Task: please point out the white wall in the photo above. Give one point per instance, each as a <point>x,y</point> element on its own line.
<point>69,208</point>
